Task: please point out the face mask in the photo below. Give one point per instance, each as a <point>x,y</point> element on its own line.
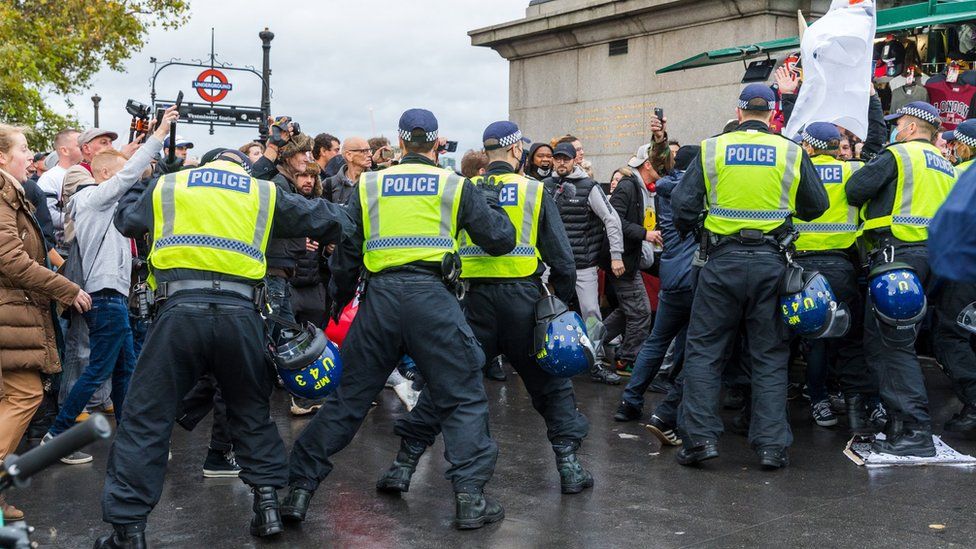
<point>893,137</point>
<point>544,172</point>
<point>522,159</point>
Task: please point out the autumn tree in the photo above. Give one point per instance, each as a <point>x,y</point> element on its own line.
<point>54,48</point>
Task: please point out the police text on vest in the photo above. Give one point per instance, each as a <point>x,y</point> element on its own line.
<point>750,155</point>
<point>218,179</point>
<point>410,184</point>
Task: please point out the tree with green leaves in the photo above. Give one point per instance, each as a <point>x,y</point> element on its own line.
<point>55,47</point>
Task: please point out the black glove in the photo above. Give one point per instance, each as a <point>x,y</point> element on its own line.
<point>279,131</point>
<point>170,167</point>
<point>490,188</point>
<point>335,312</point>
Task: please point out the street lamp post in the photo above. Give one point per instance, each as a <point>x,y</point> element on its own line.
<point>266,37</point>
<point>95,101</point>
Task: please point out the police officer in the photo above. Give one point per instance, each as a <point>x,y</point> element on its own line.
<point>407,219</point>
<point>210,228</point>
<point>900,190</point>
<point>500,307</point>
<point>751,182</point>
<point>964,145</point>
<point>827,245</point>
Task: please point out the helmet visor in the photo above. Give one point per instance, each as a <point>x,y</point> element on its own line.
<point>837,324</point>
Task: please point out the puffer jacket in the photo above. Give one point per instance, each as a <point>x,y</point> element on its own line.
<point>27,287</point>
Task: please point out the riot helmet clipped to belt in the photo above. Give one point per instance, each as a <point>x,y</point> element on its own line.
<point>561,345</point>
<point>307,362</point>
<point>898,302</point>
<point>813,311</point>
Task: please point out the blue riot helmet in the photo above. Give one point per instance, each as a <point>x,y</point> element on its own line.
<point>898,302</point>
<point>307,362</point>
<point>562,347</point>
<point>813,312</point>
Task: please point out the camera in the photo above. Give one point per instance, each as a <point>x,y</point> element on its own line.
<point>137,109</point>
<point>450,146</point>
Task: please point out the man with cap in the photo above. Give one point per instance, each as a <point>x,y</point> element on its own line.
<point>407,220</point>
<point>963,141</point>
<point>500,307</point>
<point>827,245</point>
<point>586,214</point>
<point>210,228</point>
<point>752,182</point>
<point>182,146</point>
<point>899,192</point>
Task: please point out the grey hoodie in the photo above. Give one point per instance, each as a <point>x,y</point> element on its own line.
<point>106,255</point>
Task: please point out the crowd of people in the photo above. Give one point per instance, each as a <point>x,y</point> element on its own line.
<point>681,265</point>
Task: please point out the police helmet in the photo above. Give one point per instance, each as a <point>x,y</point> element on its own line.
<point>813,312</point>
<point>307,362</point>
<point>562,347</point>
<point>898,302</point>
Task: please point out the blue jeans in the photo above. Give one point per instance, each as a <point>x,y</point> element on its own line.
<point>112,356</point>
<point>671,322</point>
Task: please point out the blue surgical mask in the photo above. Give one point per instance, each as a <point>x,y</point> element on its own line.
<point>894,135</point>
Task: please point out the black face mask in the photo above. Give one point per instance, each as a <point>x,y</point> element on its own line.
<point>522,160</point>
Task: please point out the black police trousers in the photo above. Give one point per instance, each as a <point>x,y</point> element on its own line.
<point>738,285</point>
<point>953,343</point>
<point>189,337</point>
<point>899,374</point>
<point>502,316</point>
<point>198,403</point>
<point>848,351</point>
<point>414,314</point>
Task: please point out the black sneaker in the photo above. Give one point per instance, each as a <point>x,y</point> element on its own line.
<point>494,370</point>
<point>822,413</point>
<point>627,412</point>
<point>601,374</point>
<point>963,422</point>
<point>663,432</point>
<point>220,464</point>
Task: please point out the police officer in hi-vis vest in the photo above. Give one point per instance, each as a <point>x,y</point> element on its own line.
<point>407,219</point>
<point>900,191</point>
<point>210,228</point>
<point>827,245</point>
<point>751,182</point>
<point>500,306</point>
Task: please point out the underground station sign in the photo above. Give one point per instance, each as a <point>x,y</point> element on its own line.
<point>212,85</point>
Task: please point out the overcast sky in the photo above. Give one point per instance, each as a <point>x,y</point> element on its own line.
<point>332,61</point>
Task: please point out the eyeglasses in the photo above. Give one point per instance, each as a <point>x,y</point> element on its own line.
<point>367,151</point>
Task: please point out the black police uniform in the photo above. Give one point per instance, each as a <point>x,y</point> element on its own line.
<point>408,310</point>
<point>501,312</point>
<point>739,283</point>
<point>194,332</point>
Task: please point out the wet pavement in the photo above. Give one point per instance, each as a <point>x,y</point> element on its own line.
<point>642,498</point>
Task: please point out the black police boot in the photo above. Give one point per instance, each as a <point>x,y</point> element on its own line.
<point>396,479</point>
<point>904,439</point>
<point>267,520</point>
<point>494,370</point>
<point>964,422</point>
<point>694,455</point>
<point>475,510</point>
<point>857,415</point>
<point>295,505</point>
<point>772,458</point>
<point>573,478</point>
<point>131,537</point>
<point>627,412</point>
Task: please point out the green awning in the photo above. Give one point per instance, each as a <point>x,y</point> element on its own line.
<point>889,20</point>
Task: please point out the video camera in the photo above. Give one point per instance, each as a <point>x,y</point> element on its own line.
<point>140,118</point>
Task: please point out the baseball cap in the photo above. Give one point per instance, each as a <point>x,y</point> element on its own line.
<point>564,149</point>
<point>641,156</point>
<point>685,156</point>
<point>180,142</point>
<point>757,91</point>
<point>819,135</point>
<point>40,156</point>
<point>418,119</point>
<point>88,136</point>
<point>965,133</point>
<point>918,109</point>
<point>501,135</point>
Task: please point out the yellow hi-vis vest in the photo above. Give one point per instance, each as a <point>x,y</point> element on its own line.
<point>751,179</point>
<point>837,228</point>
<point>924,181</point>
<point>962,168</point>
<point>521,198</point>
<point>213,218</point>
<point>410,214</point>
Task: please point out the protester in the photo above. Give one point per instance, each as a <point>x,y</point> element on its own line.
<point>27,288</point>
<point>473,163</point>
<point>358,159</point>
<point>182,147</point>
<point>68,154</point>
<point>619,174</point>
<point>253,150</point>
<point>324,148</point>
<point>382,152</point>
<point>539,164</point>
<point>309,299</point>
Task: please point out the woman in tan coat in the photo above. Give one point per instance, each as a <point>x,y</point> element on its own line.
<point>27,289</point>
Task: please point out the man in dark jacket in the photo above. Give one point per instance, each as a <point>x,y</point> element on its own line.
<point>634,204</point>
